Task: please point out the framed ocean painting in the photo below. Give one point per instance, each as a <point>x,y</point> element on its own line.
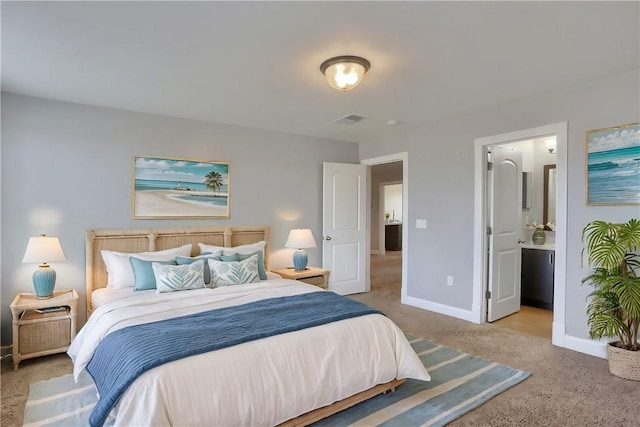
<point>613,165</point>
<point>167,188</point>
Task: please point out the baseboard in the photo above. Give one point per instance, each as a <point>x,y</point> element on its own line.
<point>375,252</point>
<point>587,346</point>
<point>582,345</point>
<point>447,310</point>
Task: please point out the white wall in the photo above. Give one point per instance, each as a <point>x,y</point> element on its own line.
<point>441,186</point>
<point>67,168</point>
<point>393,201</point>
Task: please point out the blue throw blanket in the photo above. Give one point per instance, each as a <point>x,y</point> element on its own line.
<point>127,353</point>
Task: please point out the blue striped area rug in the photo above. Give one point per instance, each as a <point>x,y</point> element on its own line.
<point>459,383</point>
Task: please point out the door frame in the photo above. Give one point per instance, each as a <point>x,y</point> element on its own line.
<point>391,158</point>
<point>480,266</point>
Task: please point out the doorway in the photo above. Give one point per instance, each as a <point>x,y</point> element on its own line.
<point>481,298</point>
<point>387,235</point>
<point>533,313</point>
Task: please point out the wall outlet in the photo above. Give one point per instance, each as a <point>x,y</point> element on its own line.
<point>449,280</point>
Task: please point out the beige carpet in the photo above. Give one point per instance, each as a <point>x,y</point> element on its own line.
<point>565,388</point>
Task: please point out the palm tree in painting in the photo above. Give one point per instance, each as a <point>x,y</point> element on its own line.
<point>213,181</point>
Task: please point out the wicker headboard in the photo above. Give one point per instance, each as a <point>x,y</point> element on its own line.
<point>157,239</point>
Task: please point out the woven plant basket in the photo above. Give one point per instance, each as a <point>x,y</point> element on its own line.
<point>624,363</point>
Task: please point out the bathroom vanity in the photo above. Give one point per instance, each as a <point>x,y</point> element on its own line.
<point>538,263</point>
<point>393,236</point>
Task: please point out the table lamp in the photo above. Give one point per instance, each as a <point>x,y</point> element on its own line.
<point>43,249</point>
<point>300,239</point>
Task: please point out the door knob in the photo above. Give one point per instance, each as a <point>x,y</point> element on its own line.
<point>327,237</point>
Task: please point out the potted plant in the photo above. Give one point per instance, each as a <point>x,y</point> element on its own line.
<point>614,306</point>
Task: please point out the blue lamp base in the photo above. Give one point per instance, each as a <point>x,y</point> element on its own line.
<point>299,260</point>
<point>44,280</point>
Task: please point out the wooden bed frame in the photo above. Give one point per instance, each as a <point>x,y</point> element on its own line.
<point>157,239</point>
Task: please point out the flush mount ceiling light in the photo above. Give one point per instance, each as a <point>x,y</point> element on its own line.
<point>344,72</point>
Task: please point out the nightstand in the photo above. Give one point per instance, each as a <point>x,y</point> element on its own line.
<point>312,276</point>
<point>38,334</point>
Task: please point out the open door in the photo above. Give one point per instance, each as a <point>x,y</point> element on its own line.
<point>344,226</point>
<point>505,223</point>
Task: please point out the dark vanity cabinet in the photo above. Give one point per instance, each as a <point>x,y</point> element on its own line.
<point>393,237</point>
<point>537,278</point>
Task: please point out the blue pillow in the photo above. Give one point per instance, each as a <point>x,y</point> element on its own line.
<point>182,260</point>
<point>143,273</point>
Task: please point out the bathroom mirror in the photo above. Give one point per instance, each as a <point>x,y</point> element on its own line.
<point>549,205</point>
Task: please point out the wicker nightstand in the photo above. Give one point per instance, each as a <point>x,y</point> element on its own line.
<point>38,334</point>
<point>312,276</point>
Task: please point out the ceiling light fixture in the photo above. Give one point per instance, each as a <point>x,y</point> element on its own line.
<point>344,72</point>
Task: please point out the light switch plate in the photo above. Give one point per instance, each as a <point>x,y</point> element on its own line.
<point>421,223</point>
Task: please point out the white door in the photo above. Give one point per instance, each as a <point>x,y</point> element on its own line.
<point>505,220</point>
<point>344,226</point>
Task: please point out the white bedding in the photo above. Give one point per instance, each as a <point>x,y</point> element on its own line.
<point>263,382</point>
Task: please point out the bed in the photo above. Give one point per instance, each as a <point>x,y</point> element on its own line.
<point>290,378</point>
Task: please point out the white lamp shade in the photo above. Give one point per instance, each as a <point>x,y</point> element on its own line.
<point>43,249</point>
<point>300,238</point>
<point>551,145</point>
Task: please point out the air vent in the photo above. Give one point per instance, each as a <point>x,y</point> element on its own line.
<point>348,120</point>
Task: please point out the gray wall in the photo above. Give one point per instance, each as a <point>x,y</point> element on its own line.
<point>441,185</point>
<point>67,168</point>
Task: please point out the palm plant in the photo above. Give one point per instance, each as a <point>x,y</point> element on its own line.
<point>614,307</point>
<point>213,181</point>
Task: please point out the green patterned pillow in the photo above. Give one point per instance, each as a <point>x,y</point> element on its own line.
<point>226,273</point>
<point>181,260</point>
<point>170,278</point>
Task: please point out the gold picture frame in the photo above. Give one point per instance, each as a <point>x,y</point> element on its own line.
<point>613,166</point>
<point>175,188</point>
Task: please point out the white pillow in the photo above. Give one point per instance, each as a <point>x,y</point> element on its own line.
<point>226,273</point>
<point>171,278</point>
<point>120,272</point>
<point>242,249</point>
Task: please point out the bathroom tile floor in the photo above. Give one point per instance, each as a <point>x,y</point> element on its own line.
<point>530,320</point>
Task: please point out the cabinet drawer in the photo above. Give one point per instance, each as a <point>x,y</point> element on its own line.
<point>42,336</point>
<point>315,280</point>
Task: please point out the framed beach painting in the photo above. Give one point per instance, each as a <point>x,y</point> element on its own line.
<point>613,165</point>
<point>166,188</point>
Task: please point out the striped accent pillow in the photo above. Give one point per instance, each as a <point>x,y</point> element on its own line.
<point>170,278</point>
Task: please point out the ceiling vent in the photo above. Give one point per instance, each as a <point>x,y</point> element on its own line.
<point>349,120</point>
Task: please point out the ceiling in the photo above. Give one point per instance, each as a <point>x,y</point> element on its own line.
<point>256,64</point>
